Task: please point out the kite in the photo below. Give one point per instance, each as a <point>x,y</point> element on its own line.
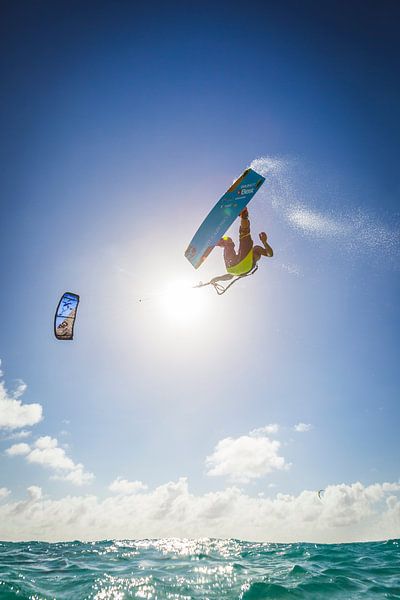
<point>221,217</point>
<point>65,316</point>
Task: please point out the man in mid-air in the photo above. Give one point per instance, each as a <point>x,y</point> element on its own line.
<point>243,262</point>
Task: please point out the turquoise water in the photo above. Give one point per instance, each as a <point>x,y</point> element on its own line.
<point>203,569</point>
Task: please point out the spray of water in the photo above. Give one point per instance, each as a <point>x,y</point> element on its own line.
<point>297,200</point>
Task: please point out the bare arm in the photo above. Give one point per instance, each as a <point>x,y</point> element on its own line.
<point>258,252</point>
<point>267,250</point>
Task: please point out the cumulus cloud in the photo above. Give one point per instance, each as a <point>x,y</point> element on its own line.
<point>302,427</point>
<point>20,389</point>
<point>123,486</point>
<point>77,476</point>
<point>13,413</point>
<point>34,495</point>
<point>18,435</point>
<point>346,513</point>
<point>4,492</point>
<point>18,449</point>
<point>247,457</point>
<point>47,453</point>
<point>34,492</point>
<point>270,429</point>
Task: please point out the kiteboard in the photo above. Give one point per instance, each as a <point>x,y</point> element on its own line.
<point>221,217</point>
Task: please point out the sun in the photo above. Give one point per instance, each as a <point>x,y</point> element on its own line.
<point>181,303</point>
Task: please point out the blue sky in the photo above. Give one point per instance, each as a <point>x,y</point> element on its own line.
<point>120,128</point>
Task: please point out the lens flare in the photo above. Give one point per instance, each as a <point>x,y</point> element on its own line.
<point>181,303</point>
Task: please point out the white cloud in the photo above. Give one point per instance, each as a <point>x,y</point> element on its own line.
<point>47,453</point>
<point>14,414</point>
<point>4,492</point>
<point>20,508</point>
<point>246,457</point>
<point>302,427</point>
<point>77,476</point>
<point>18,449</point>
<point>346,513</point>
<point>35,493</point>
<point>18,435</point>
<point>268,429</point>
<point>20,389</point>
<point>123,486</point>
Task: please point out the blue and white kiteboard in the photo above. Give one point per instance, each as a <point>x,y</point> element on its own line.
<point>224,213</point>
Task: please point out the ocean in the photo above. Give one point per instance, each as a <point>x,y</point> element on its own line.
<point>203,569</point>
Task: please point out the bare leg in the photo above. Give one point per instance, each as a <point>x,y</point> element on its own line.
<point>245,241</point>
<point>244,228</point>
<point>230,256</point>
<point>226,277</point>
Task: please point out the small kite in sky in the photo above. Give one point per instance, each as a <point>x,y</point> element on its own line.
<point>65,316</point>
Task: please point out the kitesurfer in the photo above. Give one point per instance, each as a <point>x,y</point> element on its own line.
<point>244,261</point>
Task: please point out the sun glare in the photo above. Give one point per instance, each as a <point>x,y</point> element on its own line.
<point>182,303</point>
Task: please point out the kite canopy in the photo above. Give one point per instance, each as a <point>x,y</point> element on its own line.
<point>65,316</point>
<point>221,217</point>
